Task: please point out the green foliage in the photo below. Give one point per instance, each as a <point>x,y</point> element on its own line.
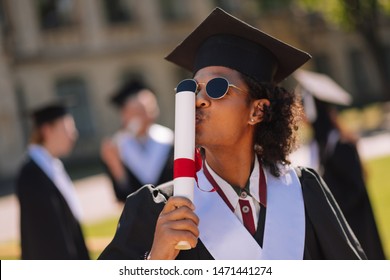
<point>271,5</point>
<point>349,14</point>
<point>331,10</point>
<point>385,4</point>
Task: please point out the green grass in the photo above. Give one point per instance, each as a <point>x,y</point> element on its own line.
<point>9,250</point>
<point>101,229</point>
<point>99,234</point>
<point>378,184</point>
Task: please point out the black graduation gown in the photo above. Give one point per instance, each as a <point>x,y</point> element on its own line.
<point>49,229</point>
<point>328,235</point>
<point>344,175</point>
<point>133,184</point>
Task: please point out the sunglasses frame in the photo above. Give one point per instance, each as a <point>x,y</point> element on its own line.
<point>215,98</point>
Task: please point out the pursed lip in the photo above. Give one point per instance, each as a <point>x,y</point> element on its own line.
<point>198,117</point>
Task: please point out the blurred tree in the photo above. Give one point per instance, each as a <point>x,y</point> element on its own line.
<point>269,5</point>
<point>364,17</point>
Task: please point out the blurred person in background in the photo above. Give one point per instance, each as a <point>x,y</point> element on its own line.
<point>334,154</point>
<point>50,211</point>
<point>141,151</point>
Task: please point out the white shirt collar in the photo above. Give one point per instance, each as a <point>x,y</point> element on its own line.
<point>43,158</point>
<point>228,190</point>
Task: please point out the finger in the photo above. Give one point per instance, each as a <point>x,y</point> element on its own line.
<point>180,213</point>
<point>184,225</point>
<point>176,231</point>
<point>165,242</point>
<point>175,202</point>
<point>186,236</point>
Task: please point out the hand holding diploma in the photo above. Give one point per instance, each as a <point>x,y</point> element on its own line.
<point>184,156</point>
<point>177,226</point>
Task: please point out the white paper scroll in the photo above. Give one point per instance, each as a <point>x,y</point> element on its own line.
<point>184,153</point>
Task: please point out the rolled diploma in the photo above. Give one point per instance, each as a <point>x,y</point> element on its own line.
<point>184,147</point>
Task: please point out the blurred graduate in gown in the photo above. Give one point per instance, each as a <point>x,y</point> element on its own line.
<point>334,154</point>
<point>50,211</point>
<point>141,151</point>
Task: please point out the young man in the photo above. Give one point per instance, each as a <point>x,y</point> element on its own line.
<point>249,203</point>
<point>140,143</point>
<point>49,207</point>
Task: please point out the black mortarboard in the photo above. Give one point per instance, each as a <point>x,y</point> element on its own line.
<point>318,91</point>
<point>322,87</point>
<point>48,113</point>
<point>129,89</point>
<point>224,40</point>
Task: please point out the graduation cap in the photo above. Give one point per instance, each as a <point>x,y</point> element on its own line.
<point>130,88</point>
<point>317,89</point>
<point>322,87</point>
<point>224,40</point>
<point>48,112</point>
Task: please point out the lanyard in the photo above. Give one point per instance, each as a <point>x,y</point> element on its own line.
<point>245,208</point>
<point>216,187</point>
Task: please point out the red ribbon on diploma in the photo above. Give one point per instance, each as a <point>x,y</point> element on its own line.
<point>185,167</point>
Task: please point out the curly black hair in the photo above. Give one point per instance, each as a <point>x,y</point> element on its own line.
<point>276,135</point>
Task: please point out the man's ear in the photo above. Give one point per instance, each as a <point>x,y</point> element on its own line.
<point>257,111</point>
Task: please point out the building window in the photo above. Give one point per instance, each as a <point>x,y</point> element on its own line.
<point>56,13</point>
<point>117,11</point>
<point>174,10</point>
<point>74,91</point>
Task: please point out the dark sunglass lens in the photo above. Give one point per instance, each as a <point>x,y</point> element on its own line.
<point>187,85</point>
<point>217,87</point>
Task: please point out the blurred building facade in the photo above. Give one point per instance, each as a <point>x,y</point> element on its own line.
<point>84,49</point>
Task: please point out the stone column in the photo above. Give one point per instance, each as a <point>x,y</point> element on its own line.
<point>92,24</point>
<point>23,14</point>
<point>11,139</point>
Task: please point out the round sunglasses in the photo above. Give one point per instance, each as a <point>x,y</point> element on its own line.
<point>216,88</point>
